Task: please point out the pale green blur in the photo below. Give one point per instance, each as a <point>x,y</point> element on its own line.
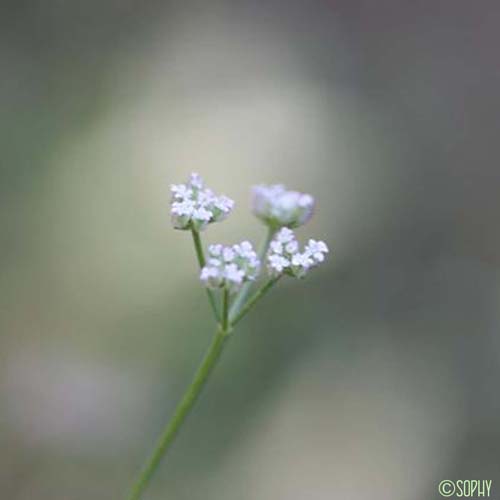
<point>377,376</point>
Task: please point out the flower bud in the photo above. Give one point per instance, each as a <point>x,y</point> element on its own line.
<point>277,207</point>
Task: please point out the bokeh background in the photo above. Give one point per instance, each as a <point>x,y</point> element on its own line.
<point>376,377</point>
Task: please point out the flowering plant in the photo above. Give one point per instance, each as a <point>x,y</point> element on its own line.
<point>228,273</point>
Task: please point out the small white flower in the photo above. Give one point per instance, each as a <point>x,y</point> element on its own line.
<point>202,214</point>
<point>305,200</point>
<point>317,250</point>
<point>285,235</point>
<point>182,207</point>
<point>233,274</point>
<point>222,207</point>
<point>215,250</point>
<point>277,264</point>
<point>284,256</point>
<point>245,249</point>
<point>301,263</point>
<point>228,254</point>
<point>196,181</point>
<point>181,191</point>
<point>230,266</point>
<point>278,207</point>
<point>303,260</point>
<point>253,266</point>
<point>211,277</point>
<point>204,197</point>
<point>194,206</point>
<point>292,247</point>
<point>181,212</point>
<point>276,247</point>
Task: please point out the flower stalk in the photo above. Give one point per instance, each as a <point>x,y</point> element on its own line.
<point>253,300</point>
<point>201,261</point>
<point>192,393</point>
<point>225,310</point>
<point>240,298</point>
<point>232,270</point>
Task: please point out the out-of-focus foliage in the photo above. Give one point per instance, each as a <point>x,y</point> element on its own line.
<point>377,376</point>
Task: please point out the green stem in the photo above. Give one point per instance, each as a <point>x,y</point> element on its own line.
<point>190,396</point>
<point>201,261</point>
<point>242,295</point>
<point>253,300</point>
<point>205,368</point>
<point>225,310</point>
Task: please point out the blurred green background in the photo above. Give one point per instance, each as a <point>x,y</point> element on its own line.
<point>376,377</point>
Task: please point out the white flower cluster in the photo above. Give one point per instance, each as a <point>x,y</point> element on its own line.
<point>284,256</point>
<point>194,206</point>
<point>230,266</point>
<point>278,207</point>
